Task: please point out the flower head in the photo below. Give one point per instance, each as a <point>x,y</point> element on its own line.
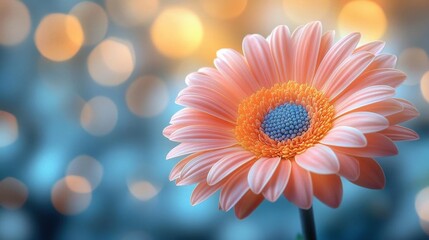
<point>291,116</point>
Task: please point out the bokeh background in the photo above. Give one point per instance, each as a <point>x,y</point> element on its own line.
<point>86,88</point>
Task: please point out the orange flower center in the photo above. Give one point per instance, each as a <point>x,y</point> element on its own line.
<point>284,120</point>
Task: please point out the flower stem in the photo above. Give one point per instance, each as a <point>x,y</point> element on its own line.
<point>307,223</point>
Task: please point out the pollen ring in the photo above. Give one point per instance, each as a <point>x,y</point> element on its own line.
<point>284,120</point>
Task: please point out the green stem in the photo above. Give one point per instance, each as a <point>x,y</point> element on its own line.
<point>307,223</point>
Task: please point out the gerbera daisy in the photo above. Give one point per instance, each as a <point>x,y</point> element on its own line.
<point>290,116</point>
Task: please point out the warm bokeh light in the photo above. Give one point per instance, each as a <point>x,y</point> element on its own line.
<point>302,11</point>
<point>147,96</point>
<point>13,193</point>
<point>88,168</point>
<point>59,36</point>
<point>15,22</point>
<point>68,201</point>
<point>111,62</point>
<point>424,86</point>
<point>143,190</point>
<point>422,204</point>
<point>177,32</point>
<point>93,20</point>
<point>129,13</point>
<point>414,62</point>
<point>216,37</point>
<point>99,116</point>
<point>363,16</point>
<point>8,129</point>
<point>78,184</point>
<point>224,9</point>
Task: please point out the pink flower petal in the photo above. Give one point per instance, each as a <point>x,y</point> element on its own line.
<point>325,44</point>
<point>399,133</point>
<point>234,189</point>
<point>362,98</point>
<point>203,191</point>
<point>281,50</point>
<point>211,103</point>
<point>346,73</point>
<point>384,108</point>
<point>177,169</point>
<point>382,61</point>
<point>261,62</point>
<point>233,66</point>
<point>199,134</point>
<point>371,174</point>
<point>299,189</point>
<point>276,186</point>
<point>328,189</point>
<point>365,122</point>
<point>247,204</point>
<point>319,159</point>
<point>378,145</point>
<point>335,56</point>
<point>189,116</point>
<point>211,81</point>
<point>187,148</point>
<point>227,165</point>
<point>202,164</point>
<point>408,112</point>
<point>349,166</point>
<point>261,172</point>
<point>344,136</point>
<point>307,51</point>
<point>372,47</point>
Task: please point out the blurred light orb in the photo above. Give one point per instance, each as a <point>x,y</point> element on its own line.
<point>78,184</point>
<point>88,168</point>
<point>362,16</point>
<point>16,225</point>
<point>13,193</point>
<point>177,32</point>
<point>224,9</point>
<point>424,86</point>
<point>147,96</point>
<point>415,62</point>
<point>99,116</point>
<point>68,201</point>
<point>303,11</point>
<point>143,190</point>
<point>111,62</point>
<point>130,13</point>
<point>93,20</point>
<point>59,36</point>
<point>8,129</point>
<point>15,22</point>
<point>422,204</point>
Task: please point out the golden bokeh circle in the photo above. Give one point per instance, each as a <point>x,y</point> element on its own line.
<point>99,116</point>
<point>8,129</point>
<point>147,96</point>
<point>59,36</point>
<point>303,11</point>
<point>13,193</point>
<point>93,20</point>
<point>15,22</point>
<point>128,13</point>
<point>224,9</point>
<point>111,62</point>
<point>68,201</point>
<point>424,86</point>
<point>362,16</point>
<point>177,32</point>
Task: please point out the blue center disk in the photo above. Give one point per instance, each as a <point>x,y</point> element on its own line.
<point>286,121</point>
